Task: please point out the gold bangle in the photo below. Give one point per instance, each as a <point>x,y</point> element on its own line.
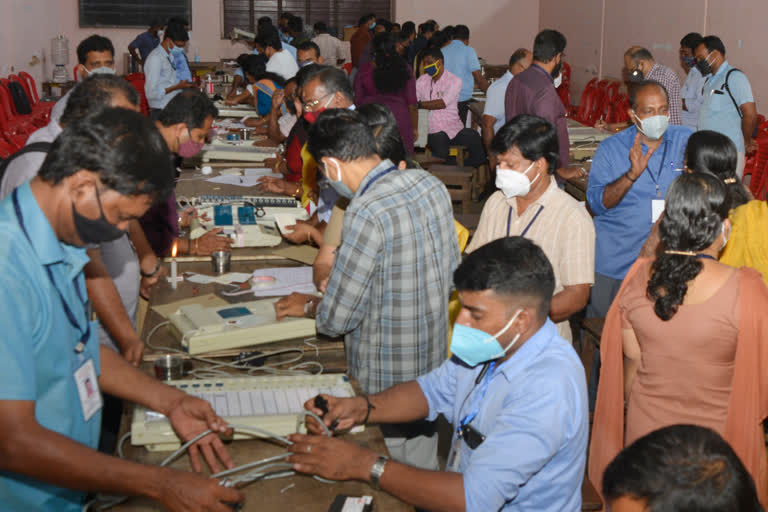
<point>298,191</point>
<point>197,246</point>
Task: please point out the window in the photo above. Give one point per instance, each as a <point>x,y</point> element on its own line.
<point>336,13</point>
<point>131,13</point>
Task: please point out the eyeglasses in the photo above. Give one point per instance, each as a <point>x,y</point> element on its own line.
<point>310,105</point>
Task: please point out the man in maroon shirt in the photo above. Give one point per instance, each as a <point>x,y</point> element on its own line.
<point>534,92</point>
<point>361,37</point>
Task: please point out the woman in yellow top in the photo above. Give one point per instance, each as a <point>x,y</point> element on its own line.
<point>713,152</point>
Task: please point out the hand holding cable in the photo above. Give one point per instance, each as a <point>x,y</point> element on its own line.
<point>337,413</point>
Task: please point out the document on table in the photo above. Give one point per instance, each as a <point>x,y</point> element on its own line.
<point>287,280</point>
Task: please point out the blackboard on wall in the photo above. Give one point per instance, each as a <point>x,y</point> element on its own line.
<point>132,13</point>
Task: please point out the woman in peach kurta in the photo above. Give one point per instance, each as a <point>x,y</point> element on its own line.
<point>685,338</point>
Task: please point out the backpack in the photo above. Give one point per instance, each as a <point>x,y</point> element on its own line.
<point>35,147</point>
<point>19,96</point>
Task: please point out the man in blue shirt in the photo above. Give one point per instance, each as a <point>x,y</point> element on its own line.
<point>51,365</point>
<point>145,43</point>
<point>162,82</point>
<point>514,390</point>
<point>691,92</point>
<point>728,105</point>
<point>461,60</point>
<point>627,182</point>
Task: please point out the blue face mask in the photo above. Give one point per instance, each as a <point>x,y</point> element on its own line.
<point>474,346</point>
<point>177,50</point>
<point>338,185</point>
<point>374,24</point>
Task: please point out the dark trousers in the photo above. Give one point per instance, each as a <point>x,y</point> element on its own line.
<point>601,297</point>
<point>464,110</point>
<point>439,143</point>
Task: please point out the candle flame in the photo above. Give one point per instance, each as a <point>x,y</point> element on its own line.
<point>174,250</point>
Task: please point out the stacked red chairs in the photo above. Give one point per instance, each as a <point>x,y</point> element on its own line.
<point>138,80</point>
<point>39,116</point>
<point>27,120</point>
<point>15,129</point>
<point>586,104</point>
<point>34,99</point>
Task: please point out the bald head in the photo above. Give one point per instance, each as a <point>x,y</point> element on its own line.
<point>520,61</point>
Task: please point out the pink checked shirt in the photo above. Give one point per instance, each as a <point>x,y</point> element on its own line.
<point>447,88</point>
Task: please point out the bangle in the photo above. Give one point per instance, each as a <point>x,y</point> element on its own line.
<point>370,407</point>
<point>309,309</point>
<point>298,191</point>
<point>197,246</point>
<point>626,175</point>
<point>151,274</point>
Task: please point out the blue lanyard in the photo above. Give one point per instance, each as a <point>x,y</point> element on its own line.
<point>85,334</point>
<point>382,173</point>
<point>661,170</point>
<point>469,417</point>
<point>525,231</point>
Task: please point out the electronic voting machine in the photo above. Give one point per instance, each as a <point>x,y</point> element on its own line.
<point>272,403</point>
<point>209,329</point>
<point>248,220</point>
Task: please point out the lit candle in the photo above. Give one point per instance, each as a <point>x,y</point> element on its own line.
<point>174,268</point>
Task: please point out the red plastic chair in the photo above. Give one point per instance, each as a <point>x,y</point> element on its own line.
<point>31,88</point>
<point>15,123</point>
<point>347,68</point>
<point>137,81</point>
<point>586,104</point>
<point>30,119</point>
<point>6,148</point>
<point>40,115</point>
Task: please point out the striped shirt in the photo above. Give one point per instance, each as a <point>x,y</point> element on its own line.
<point>671,82</point>
<point>390,283</point>
<point>446,88</point>
<point>557,223</point>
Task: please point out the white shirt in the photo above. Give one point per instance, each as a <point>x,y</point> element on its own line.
<point>160,75</point>
<point>286,123</point>
<point>283,64</point>
<point>59,107</point>
<point>691,92</point>
<point>331,49</point>
<point>494,100</point>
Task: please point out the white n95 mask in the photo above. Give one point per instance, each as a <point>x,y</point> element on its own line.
<point>558,80</point>
<point>514,183</point>
<point>653,127</point>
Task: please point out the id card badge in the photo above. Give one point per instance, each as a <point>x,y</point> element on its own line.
<point>88,389</point>
<point>454,456</point>
<point>657,208</point>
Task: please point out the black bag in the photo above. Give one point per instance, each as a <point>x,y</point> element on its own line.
<point>39,147</point>
<point>20,99</point>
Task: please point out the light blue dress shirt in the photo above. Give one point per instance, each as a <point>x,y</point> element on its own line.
<point>494,100</point>
<point>461,60</point>
<point>692,93</point>
<point>160,75</point>
<point>622,230</point>
<point>534,416</point>
<point>291,49</point>
<point>718,112</point>
<point>37,348</point>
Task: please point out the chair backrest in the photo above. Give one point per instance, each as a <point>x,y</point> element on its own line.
<point>6,105</point>
<point>587,98</point>
<point>6,148</point>
<point>25,86</point>
<point>137,81</point>
<point>31,85</point>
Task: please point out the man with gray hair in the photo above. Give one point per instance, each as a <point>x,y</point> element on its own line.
<point>640,66</point>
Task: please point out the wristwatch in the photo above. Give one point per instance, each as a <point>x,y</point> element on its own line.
<point>377,470</point>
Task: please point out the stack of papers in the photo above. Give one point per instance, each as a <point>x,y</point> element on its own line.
<point>232,277</point>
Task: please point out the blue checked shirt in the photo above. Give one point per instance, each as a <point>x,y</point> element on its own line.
<point>389,287</point>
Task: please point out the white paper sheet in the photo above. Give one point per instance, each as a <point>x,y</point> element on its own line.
<point>261,171</point>
<point>240,181</point>
<point>287,281</point>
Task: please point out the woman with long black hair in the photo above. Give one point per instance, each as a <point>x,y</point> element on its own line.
<point>685,335</point>
<point>389,81</point>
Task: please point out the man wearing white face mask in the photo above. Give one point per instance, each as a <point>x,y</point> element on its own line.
<point>530,204</point>
<point>627,183</point>
<point>389,285</point>
<point>95,54</point>
<point>514,390</point>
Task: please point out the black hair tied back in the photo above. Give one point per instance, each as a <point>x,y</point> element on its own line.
<point>696,206</point>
